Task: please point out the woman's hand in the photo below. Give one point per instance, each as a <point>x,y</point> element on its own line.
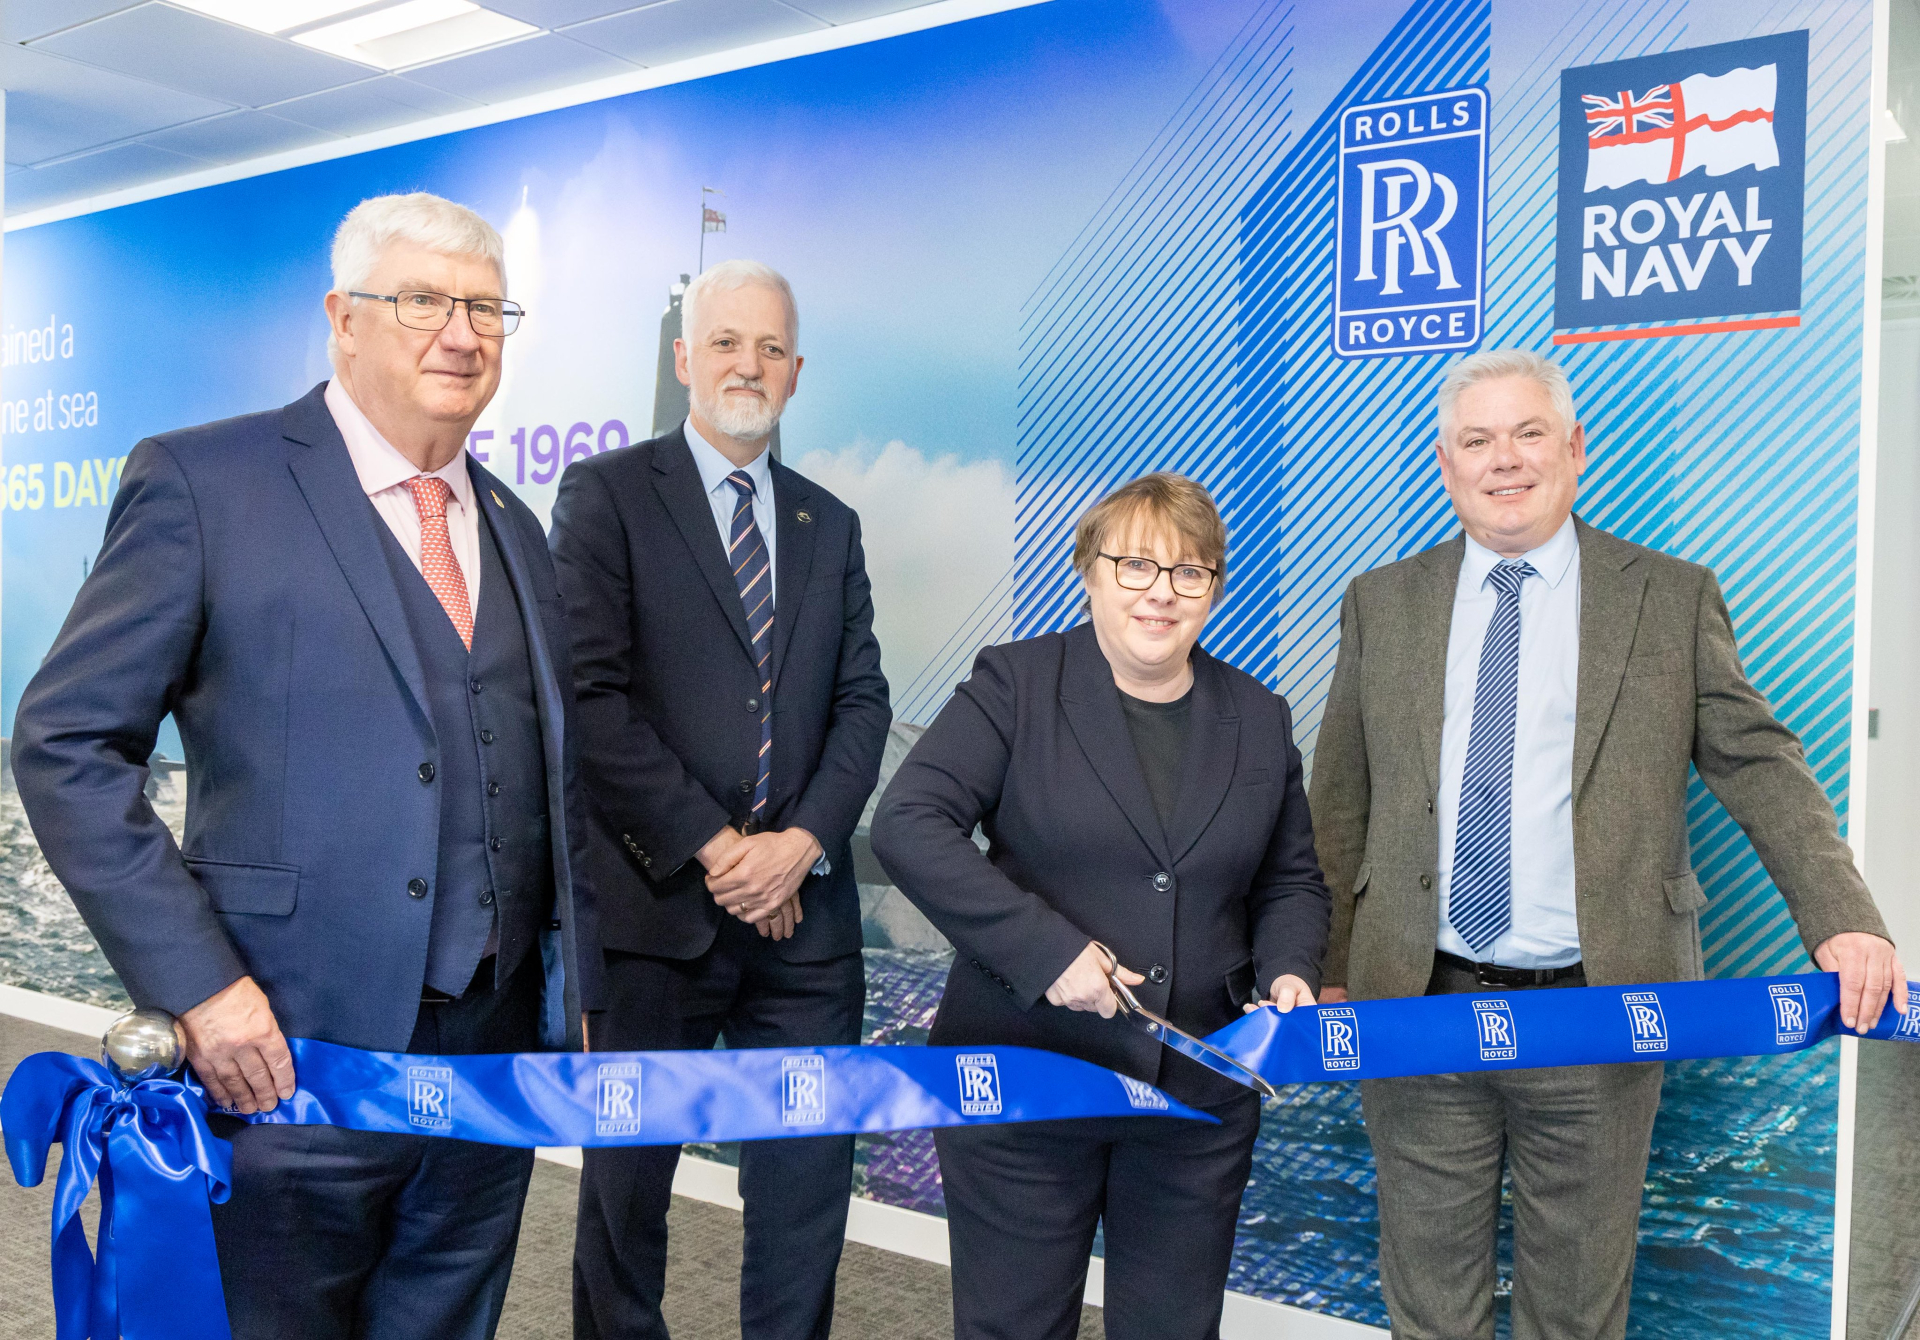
<point>1287,992</point>
<point>1083,986</point>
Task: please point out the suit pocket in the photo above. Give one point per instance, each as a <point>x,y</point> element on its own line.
<point>1240,985</point>
<point>251,890</point>
<point>1648,664</point>
<point>1684,894</point>
<point>1256,777</point>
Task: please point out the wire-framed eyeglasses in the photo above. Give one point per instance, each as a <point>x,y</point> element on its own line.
<point>423,309</point>
<point>1137,574</point>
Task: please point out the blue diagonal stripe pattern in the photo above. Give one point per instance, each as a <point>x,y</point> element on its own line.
<point>753,574</point>
<point>1480,897</point>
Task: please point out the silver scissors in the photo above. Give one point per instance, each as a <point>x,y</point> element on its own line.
<point>1176,1037</point>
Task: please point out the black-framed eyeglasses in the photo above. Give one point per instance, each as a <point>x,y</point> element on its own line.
<point>1137,574</point>
<point>423,309</point>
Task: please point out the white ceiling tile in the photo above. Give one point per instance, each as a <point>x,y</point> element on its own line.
<point>559,13</point>
<point>531,65</point>
<point>108,170</point>
<point>680,29</point>
<point>234,136</point>
<point>57,107</point>
<point>373,104</point>
<point>202,55</point>
<point>24,20</point>
<point>851,11</point>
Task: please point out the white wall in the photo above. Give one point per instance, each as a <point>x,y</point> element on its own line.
<point>1893,759</point>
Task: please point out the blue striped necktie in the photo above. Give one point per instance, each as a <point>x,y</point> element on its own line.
<point>1480,899</point>
<point>754,576</point>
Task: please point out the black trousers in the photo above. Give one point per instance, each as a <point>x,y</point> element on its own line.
<point>795,1190</point>
<point>332,1233</point>
<point>1023,1202</point>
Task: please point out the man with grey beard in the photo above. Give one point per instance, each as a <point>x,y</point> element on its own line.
<point>705,583</point>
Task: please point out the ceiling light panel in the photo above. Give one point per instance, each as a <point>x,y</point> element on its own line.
<point>271,16</point>
<point>414,33</point>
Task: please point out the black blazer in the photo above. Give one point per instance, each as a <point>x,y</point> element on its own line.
<point>669,694</point>
<point>1034,749</point>
<point>242,587</point>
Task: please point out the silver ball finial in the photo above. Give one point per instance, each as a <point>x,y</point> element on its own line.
<point>145,1044</point>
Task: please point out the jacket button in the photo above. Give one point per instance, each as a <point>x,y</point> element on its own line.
<point>493,788</point>
<point>417,888</point>
<point>746,788</point>
<point>426,772</point>
<point>474,684</point>
<point>1429,806</point>
<point>486,899</point>
<point>1426,881</point>
<point>486,737</point>
<point>646,863</point>
<point>1163,881</point>
<point>496,843</point>
<point>753,704</point>
<point>1157,973</point>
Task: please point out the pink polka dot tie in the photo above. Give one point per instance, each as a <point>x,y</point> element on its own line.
<point>437,563</point>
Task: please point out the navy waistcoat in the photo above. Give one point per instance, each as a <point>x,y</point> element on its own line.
<point>495,866</point>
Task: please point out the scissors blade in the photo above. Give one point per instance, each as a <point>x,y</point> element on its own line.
<point>1172,1035</point>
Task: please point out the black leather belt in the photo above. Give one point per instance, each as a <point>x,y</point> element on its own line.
<point>1492,974</point>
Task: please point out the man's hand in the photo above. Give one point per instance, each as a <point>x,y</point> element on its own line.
<point>235,1047</point>
<point>1084,985</point>
<point>1333,995</point>
<point>1288,991</point>
<point>757,874</point>
<point>717,847</point>
<point>785,917</point>
<point>1869,968</point>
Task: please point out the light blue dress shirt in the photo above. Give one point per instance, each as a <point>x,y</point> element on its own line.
<point>714,469</point>
<point>1545,931</point>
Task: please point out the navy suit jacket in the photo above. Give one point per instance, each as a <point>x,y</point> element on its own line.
<point>1034,748</point>
<point>243,588</point>
<point>669,695</point>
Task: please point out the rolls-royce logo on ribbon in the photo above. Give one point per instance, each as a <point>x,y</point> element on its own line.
<point>979,1084</point>
<point>1682,185</point>
<point>1493,1024</point>
<point>1339,1038</point>
<point>1789,1013</point>
<point>1646,1024</point>
<point>803,1090</point>
<point>1411,225</point>
<point>1143,1095</point>
<point>617,1106</point>
<point>430,1097</point>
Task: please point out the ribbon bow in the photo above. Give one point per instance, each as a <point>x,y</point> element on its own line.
<point>158,1166</point>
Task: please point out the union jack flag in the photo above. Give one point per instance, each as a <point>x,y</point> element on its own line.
<point>1628,115</point>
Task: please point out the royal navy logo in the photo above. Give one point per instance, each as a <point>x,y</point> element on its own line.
<point>1682,184</point>
<point>1143,1095</point>
<point>1339,1038</point>
<point>803,1090</point>
<point>430,1097</point>
<point>979,1084</point>
<point>616,1108</point>
<point>1411,225</point>
<point>1493,1023</point>
<point>1789,1013</point>
<point>1646,1025</point>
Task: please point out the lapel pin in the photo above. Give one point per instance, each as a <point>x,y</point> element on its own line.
<point>496,500</point>
<point>803,517</point>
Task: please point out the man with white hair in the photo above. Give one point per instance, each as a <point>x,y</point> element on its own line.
<point>1500,804</point>
<point>357,630</point>
<point>732,720</point>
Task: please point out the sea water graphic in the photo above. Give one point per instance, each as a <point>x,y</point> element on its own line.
<point>1739,1189</point>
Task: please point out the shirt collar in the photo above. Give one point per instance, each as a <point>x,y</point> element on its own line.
<point>714,468</point>
<point>377,461</point>
<point>1552,560</point>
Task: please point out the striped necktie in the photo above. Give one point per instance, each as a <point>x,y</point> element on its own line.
<point>753,575</point>
<point>1480,899</point>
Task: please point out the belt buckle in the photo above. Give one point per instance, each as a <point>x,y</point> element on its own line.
<point>1492,974</point>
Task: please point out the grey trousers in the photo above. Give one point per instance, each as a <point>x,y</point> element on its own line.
<point>1575,1140</point>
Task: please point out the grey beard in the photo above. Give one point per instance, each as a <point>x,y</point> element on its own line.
<point>745,420</point>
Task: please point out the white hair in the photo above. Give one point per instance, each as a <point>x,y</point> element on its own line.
<point>426,220</point>
<point>728,276</point>
<point>1494,364</point>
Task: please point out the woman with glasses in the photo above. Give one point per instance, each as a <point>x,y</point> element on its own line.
<point>1146,823</point>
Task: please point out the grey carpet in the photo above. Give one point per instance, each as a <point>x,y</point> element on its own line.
<point>1886,1191</point>
<point>881,1296</point>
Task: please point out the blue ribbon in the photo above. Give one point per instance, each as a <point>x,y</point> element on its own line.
<point>157,1165</point>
